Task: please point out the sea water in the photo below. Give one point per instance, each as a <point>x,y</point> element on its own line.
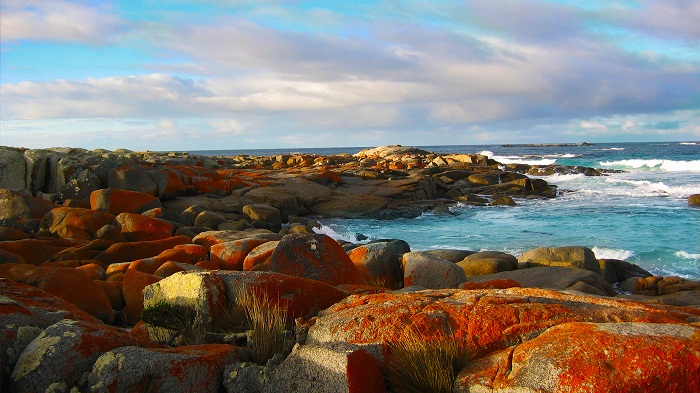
<point>640,215</point>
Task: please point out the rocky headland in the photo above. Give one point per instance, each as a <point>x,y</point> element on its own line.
<point>169,272</point>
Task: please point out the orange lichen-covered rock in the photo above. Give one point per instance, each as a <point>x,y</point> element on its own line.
<point>113,289</point>
<point>301,297</point>
<point>9,257</point>
<point>24,313</point>
<point>196,368</point>
<point>169,268</point>
<point>82,251</point>
<point>65,351</point>
<point>132,289</point>
<point>128,252</point>
<point>7,233</point>
<point>379,263</point>
<point>150,265</point>
<point>73,222</point>
<point>488,319</point>
<point>93,270</point>
<point>313,256</point>
<point>116,201</point>
<point>593,357</point>
<point>37,251</point>
<point>208,265</point>
<point>196,252</point>
<point>76,287</point>
<point>136,227</point>
<point>259,255</point>
<point>499,283</point>
<point>17,271</point>
<point>230,255</point>
<point>209,238</point>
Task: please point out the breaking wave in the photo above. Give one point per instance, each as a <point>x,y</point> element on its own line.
<point>663,165</point>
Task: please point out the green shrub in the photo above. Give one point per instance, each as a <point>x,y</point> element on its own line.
<point>418,365</point>
<point>174,322</point>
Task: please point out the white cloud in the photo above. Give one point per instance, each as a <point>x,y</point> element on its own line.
<point>58,20</point>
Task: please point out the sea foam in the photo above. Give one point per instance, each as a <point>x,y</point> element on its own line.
<point>612,253</point>
<point>665,165</point>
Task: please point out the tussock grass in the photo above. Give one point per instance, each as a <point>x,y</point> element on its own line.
<point>418,365</point>
<point>264,322</point>
<point>268,334</point>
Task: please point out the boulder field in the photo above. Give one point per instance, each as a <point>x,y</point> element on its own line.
<point>123,271</point>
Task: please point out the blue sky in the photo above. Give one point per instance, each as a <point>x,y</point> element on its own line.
<point>243,74</point>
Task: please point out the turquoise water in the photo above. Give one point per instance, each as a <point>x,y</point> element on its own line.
<point>641,216</point>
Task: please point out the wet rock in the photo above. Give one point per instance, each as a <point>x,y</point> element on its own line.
<point>694,200</point>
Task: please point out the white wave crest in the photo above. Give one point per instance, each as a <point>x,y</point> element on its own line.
<point>613,148</point>
<point>612,253</point>
<point>328,231</point>
<point>664,165</point>
<point>642,188</point>
<point>487,153</point>
<point>688,143</point>
<point>686,255</point>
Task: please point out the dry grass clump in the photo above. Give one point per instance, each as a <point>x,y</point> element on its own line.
<point>265,323</point>
<point>421,366</point>
<point>268,334</point>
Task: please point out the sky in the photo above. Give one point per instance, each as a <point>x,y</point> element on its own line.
<point>243,74</point>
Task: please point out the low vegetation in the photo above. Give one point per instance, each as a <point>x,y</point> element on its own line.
<point>419,365</point>
<point>264,323</point>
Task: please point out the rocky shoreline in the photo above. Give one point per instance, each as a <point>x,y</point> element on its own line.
<point>125,271</point>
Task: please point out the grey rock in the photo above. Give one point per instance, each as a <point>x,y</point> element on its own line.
<point>13,169</point>
<point>555,277</point>
<point>431,272</point>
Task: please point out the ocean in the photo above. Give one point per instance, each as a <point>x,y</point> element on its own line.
<point>641,215</point>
